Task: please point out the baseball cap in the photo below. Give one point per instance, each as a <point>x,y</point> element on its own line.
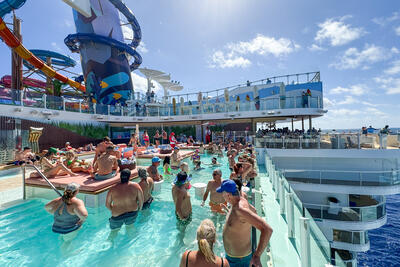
<point>155,159</point>
<point>72,187</point>
<point>142,173</point>
<point>228,186</point>
<point>53,150</point>
<point>177,148</point>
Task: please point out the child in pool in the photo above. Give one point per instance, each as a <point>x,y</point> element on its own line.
<point>166,165</point>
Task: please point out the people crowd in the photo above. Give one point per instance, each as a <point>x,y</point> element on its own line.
<point>126,199</point>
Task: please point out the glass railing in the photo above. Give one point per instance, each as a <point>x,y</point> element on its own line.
<point>351,237</point>
<point>38,100</point>
<point>353,214</point>
<point>326,141</point>
<point>354,178</point>
<point>320,252</point>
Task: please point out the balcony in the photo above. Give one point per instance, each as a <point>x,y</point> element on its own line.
<point>356,241</point>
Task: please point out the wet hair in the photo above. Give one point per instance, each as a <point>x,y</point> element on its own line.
<point>26,148</point>
<point>106,138</point>
<point>110,148</point>
<point>125,175</point>
<point>238,183</point>
<point>167,159</point>
<point>67,196</point>
<point>206,235</point>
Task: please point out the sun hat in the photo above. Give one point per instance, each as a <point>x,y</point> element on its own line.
<point>155,159</point>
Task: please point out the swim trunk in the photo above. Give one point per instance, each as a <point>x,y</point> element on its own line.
<point>239,262</point>
<point>105,177</point>
<point>146,204</point>
<point>217,207</point>
<point>185,221</point>
<point>128,218</point>
<point>64,231</point>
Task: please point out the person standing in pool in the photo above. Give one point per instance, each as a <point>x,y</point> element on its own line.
<point>175,159</point>
<point>172,140</point>
<point>147,185</point>
<point>237,229</point>
<point>124,200</point>
<point>153,171</point>
<point>216,199</point>
<point>181,197</point>
<point>69,212</point>
<point>167,165</point>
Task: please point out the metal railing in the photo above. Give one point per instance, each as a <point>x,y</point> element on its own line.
<point>41,175</point>
<point>351,237</point>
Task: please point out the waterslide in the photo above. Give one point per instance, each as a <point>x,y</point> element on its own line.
<point>12,41</point>
<point>105,57</point>
<point>28,82</point>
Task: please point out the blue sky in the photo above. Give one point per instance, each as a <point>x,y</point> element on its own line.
<point>208,44</point>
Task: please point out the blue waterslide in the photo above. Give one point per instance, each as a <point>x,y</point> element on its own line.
<point>7,6</point>
<point>72,40</point>
<point>56,58</point>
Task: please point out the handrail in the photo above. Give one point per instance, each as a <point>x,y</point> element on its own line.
<point>42,175</point>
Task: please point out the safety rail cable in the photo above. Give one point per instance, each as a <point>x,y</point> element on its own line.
<point>43,176</point>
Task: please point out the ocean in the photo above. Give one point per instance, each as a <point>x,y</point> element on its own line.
<point>385,241</point>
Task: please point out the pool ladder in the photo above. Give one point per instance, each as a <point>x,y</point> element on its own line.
<point>23,167</point>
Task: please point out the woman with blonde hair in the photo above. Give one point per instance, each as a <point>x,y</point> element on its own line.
<point>204,257</point>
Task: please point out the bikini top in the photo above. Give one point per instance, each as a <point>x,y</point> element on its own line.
<point>187,259</point>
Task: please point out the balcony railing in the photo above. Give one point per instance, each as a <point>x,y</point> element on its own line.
<point>351,237</point>
<point>355,178</point>
<point>350,214</point>
<point>32,99</point>
<point>327,141</point>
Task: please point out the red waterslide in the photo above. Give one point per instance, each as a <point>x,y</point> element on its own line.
<point>12,41</point>
<point>7,79</point>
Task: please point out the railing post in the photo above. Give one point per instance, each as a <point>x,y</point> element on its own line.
<point>80,106</point>
<point>278,187</point>
<point>358,141</point>
<point>63,102</point>
<point>305,252</point>
<point>319,104</point>
<point>283,142</point>
<point>290,215</point>
<point>339,139</point>
<point>94,108</point>
<point>319,142</point>
<point>301,142</point>
<point>158,111</point>
<point>21,96</point>
<point>308,101</point>
<point>23,182</point>
<point>45,100</point>
<point>108,109</point>
<point>282,197</point>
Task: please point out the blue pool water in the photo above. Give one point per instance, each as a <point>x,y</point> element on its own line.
<point>385,241</point>
<point>26,238</point>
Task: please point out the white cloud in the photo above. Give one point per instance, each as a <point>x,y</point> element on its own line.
<point>68,23</point>
<point>233,54</point>
<point>337,32</point>
<point>315,47</point>
<point>264,45</point>
<point>397,30</point>
<point>328,103</point>
<point>375,112</point>
<point>353,58</point>
<point>394,69</point>
<point>348,100</point>
<point>345,112</point>
<point>142,48</point>
<point>357,89</point>
<point>220,60</point>
<point>390,84</point>
<point>385,20</point>
<point>140,84</point>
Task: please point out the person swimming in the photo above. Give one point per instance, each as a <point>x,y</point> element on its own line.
<point>69,212</point>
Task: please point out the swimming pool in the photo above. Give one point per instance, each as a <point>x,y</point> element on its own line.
<point>26,237</point>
